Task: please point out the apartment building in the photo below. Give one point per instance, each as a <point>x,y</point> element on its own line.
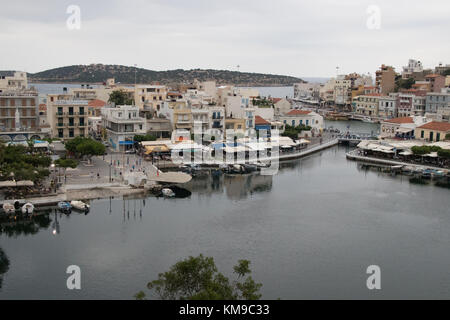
<point>436,81</point>
<point>121,124</point>
<point>67,116</point>
<point>342,91</point>
<point>150,96</point>
<point>296,118</point>
<point>387,108</point>
<point>437,101</point>
<point>405,103</point>
<point>385,79</point>
<point>13,81</point>
<point>367,105</point>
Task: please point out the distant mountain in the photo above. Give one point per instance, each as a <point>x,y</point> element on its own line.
<point>98,73</point>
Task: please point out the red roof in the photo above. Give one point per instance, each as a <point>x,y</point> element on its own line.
<point>97,103</point>
<point>401,120</point>
<point>433,76</point>
<point>261,121</point>
<point>438,126</point>
<point>298,113</point>
<point>275,100</point>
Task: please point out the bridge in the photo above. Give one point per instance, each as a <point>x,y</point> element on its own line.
<point>354,138</point>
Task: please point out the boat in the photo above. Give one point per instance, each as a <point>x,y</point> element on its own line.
<point>368,120</point>
<point>166,192</point>
<point>80,205</point>
<point>9,208</point>
<point>27,208</point>
<point>65,206</point>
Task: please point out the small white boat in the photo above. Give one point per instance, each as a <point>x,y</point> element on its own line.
<point>80,205</point>
<point>9,208</point>
<point>368,120</point>
<point>27,208</point>
<point>168,193</point>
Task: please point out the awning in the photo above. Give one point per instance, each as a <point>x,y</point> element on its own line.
<point>303,141</point>
<point>258,146</point>
<point>406,153</point>
<point>431,155</point>
<point>126,143</point>
<point>26,183</point>
<point>404,130</point>
<point>12,184</point>
<point>152,149</point>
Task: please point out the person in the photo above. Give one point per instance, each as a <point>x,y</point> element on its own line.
<point>98,175</point>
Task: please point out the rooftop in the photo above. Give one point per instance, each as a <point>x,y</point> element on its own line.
<point>438,126</point>
<point>261,121</point>
<point>298,112</point>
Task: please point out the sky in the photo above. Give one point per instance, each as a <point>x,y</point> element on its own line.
<point>302,38</point>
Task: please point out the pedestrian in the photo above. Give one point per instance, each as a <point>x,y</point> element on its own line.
<point>98,175</point>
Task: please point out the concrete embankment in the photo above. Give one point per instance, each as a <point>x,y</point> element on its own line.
<point>355,157</point>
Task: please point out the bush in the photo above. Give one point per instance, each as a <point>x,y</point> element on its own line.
<point>425,150</point>
<point>444,153</point>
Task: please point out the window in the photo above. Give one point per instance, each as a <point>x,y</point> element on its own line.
<point>293,123</point>
<point>438,136</point>
<point>71,135</point>
<point>307,122</point>
<point>60,133</point>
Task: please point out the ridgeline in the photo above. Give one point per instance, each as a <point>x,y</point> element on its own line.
<point>98,73</point>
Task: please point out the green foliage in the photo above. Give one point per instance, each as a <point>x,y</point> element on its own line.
<point>404,83</point>
<point>446,72</point>
<point>447,136</point>
<point>124,74</point>
<point>19,163</point>
<point>67,163</point>
<point>120,98</point>
<point>263,103</point>
<point>81,146</point>
<point>293,132</point>
<point>147,137</point>
<point>444,153</point>
<point>197,278</point>
<point>421,150</point>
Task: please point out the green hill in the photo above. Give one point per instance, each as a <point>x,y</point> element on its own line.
<point>98,73</point>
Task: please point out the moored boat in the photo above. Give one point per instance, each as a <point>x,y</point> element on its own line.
<point>9,208</point>
<point>27,208</point>
<point>64,206</point>
<point>80,205</point>
<point>166,192</point>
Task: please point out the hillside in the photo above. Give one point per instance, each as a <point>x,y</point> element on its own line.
<point>96,73</point>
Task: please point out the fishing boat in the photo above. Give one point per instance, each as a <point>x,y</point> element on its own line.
<point>166,192</point>
<point>27,208</point>
<point>9,208</point>
<point>65,206</point>
<point>80,205</point>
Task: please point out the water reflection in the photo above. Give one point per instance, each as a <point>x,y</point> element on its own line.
<point>25,226</point>
<point>4,265</point>
<point>236,187</point>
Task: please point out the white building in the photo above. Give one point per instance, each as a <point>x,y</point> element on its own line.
<point>122,123</point>
<point>304,118</point>
<point>13,81</point>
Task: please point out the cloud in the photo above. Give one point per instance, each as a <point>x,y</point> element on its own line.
<point>299,38</point>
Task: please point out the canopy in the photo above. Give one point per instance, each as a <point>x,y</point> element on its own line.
<point>41,144</point>
<point>11,184</point>
<point>431,155</point>
<point>161,148</point>
<point>406,153</point>
<point>303,141</point>
<point>258,146</point>
<point>404,130</point>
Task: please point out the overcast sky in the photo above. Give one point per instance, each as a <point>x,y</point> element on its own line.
<point>290,37</point>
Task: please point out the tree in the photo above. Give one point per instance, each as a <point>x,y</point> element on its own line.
<point>444,153</point>
<point>19,163</point>
<point>147,137</point>
<point>66,163</point>
<point>197,278</point>
<point>120,98</point>
<point>447,136</point>
<point>88,147</point>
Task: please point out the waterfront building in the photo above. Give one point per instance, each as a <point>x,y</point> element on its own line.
<point>326,92</point>
<point>436,81</point>
<point>342,91</point>
<point>433,131</point>
<point>121,124</point>
<point>200,117</point>
<point>385,79</point>
<point>238,125</point>
<point>405,104</point>
<point>307,91</point>
<point>67,116</point>
<point>367,105</point>
<point>262,124</point>
<point>438,105</point>
<point>387,108</point>
<point>402,127</point>
<point>296,118</point>
<point>19,115</point>
<point>161,128</point>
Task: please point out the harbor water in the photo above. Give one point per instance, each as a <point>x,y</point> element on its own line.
<point>310,231</point>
